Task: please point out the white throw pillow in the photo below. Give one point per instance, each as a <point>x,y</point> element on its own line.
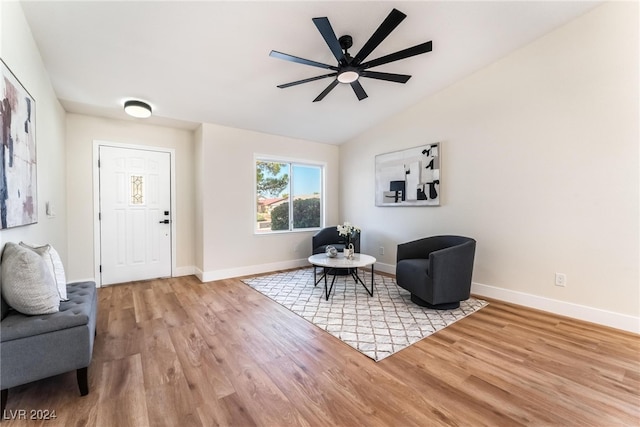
<point>27,283</point>
<point>53,261</point>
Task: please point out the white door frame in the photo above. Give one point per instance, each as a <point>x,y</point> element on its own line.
<point>96,200</point>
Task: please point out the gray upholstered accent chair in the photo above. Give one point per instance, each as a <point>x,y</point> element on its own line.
<point>329,237</point>
<point>436,270</point>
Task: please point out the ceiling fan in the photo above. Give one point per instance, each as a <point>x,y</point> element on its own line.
<point>350,69</point>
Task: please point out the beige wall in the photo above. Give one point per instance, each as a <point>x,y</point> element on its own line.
<point>214,222</point>
<point>81,132</point>
<point>540,165</point>
<point>20,53</point>
<point>227,196</point>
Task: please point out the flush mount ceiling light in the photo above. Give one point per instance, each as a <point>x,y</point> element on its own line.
<point>138,109</point>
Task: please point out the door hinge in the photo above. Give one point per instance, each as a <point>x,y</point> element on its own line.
<point>98,162</point>
<point>99,216</point>
<point>100,268</point>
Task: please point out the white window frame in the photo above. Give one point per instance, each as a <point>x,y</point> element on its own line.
<point>291,162</point>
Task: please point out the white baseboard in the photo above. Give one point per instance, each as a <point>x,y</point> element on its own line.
<point>209,276</point>
<point>576,311</point>
<point>386,268</point>
<point>185,271</point>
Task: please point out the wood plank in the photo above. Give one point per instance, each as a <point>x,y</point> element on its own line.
<point>180,352</point>
<point>122,337</point>
<point>122,399</point>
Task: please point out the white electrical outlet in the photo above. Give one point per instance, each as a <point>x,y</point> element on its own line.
<point>561,279</point>
<point>381,251</point>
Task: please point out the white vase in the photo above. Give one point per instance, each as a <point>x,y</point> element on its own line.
<point>349,251</point>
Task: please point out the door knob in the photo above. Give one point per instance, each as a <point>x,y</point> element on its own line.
<point>165,221</point>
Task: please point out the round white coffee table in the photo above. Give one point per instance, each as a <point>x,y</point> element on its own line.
<point>340,262</point>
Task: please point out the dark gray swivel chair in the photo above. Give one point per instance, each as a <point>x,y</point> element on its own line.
<point>329,237</point>
<point>436,270</point>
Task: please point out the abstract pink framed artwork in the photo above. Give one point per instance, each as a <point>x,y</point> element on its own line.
<point>18,168</point>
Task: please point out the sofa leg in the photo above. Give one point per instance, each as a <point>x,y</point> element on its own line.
<point>3,402</point>
<point>83,380</point>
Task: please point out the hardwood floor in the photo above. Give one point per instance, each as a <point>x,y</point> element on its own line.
<point>177,352</point>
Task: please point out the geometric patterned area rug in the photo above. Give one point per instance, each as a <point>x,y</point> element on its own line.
<point>377,326</point>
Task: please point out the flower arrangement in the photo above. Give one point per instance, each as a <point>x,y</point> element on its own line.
<point>347,230</point>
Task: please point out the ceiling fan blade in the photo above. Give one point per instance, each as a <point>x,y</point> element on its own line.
<point>326,91</point>
<point>390,77</point>
<point>401,54</point>
<point>307,80</point>
<point>287,57</point>
<point>357,88</point>
<point>324,26</point>
<point>389,24</point>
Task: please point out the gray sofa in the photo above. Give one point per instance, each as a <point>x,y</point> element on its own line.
<point>36,347</point>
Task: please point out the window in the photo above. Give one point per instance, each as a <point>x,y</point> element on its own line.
<point>288,196</point>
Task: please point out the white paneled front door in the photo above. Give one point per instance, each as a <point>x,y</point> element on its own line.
<point>135,216</point>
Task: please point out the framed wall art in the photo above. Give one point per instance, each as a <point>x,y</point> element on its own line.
<point>409,177</point>
<point>18,180</point>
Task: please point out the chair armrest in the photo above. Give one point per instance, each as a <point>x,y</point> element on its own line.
<point>453,265</point>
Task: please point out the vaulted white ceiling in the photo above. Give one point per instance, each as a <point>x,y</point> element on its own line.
<point>208,61</point>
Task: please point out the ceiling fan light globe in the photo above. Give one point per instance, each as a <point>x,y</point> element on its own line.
<point>138,109</point>
<point>348,76</point>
